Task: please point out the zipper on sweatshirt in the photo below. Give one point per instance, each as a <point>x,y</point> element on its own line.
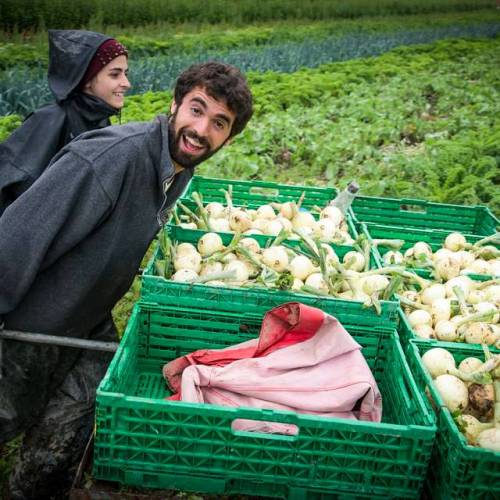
<point>163,213</point>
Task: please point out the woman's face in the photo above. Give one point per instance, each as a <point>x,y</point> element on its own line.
<point>111,83</point>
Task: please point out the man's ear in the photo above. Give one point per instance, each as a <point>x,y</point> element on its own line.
<point>173,107</point>
<point>228,141</point>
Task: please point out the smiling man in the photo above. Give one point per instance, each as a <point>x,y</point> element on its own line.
<point>69,249</point>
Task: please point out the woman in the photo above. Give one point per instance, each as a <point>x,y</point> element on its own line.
<point>88,77</point>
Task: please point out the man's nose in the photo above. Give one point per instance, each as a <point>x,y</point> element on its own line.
<point>201,126</point>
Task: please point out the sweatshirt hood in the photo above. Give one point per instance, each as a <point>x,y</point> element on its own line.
<point>70,53</point>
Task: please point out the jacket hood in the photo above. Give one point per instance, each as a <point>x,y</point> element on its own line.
<point>70,53</point>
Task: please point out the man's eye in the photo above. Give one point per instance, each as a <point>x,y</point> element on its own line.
<point>195,111</point>
<point>219,125</point>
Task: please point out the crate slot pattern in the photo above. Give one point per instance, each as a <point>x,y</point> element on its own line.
<point>144,440</point>
<point>457,470</point>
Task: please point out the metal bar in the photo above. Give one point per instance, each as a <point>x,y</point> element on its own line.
<point>41,338</point>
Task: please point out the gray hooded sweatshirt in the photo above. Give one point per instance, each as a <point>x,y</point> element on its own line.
<point>71,244</point>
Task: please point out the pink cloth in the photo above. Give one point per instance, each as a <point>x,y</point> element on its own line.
<point>304,360</point>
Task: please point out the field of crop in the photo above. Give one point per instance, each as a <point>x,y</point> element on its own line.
<point>404,100</point>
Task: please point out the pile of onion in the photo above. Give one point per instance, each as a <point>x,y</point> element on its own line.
<point>471,391</point>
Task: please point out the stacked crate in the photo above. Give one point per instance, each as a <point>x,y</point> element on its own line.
<point>144,440</point>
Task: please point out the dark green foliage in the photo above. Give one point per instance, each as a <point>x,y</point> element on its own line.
<point>25,15</point>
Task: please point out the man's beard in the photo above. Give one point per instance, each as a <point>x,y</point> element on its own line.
<point>180,157</point>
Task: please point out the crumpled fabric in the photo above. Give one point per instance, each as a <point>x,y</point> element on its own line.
<point>303,360</point>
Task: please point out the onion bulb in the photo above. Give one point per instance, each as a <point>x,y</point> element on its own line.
<point>240,268</point>
<point>419,317</point>
<point>489,439</point>
<point>276,258</point>
<point>266,212</point>
<point>434,292</point>
<point>209,243</point>
<point>437,361</point>
<point>185,275</point>
<point>334,214</point>
<point>317,281</point>
<point>455,242</point>
<point>301,267</point>
<point>453,392</point>
<point>239,221</point>
<point>215,210</point>
<point>354,261</point>
<point>188,261</point>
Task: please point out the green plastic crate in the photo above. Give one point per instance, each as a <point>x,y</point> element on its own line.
<point>407,336</point>
<point>420,214</point>
<point>457,470</point>
<point>158,289</point>
<point>411,236</point>
<point>143,440</point>
<point>255,193</point>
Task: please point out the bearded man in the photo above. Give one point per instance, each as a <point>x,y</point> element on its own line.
<point>69,250</point>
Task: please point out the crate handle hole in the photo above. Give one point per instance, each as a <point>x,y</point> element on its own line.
<point>406,207</point>
<point>253,428</point>
<point>268,192</point>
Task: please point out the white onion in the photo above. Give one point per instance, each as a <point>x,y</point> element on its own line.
<point>465,258</point>
<point>437,361</point>
<point>418,317</point>
<point>250,244</point>
<point>240,268</point>
<point>476,296</point>
<point>266,212</point>
<point>422,248</point>
<point>434,292</point>
<point>288,209</point>
<point>489,439</point>
<point>455,242</point>
<point>480,266</point>
<point>354,260</point>
<point>188,261</point>
<point>325,229</point>
<point>220,225</point>
<point>470,364</point>
<point>453,392</point>
<point>442,253</point>
<point>316,280</point>
<point>479,333</point>
<point>239,221</point>
<point>209,243</point>
<point>297,284</point>
<point>492,294</point>
<point>301,267</point>
<point>446,331</point>
<point>486,307</point>
<point>447,268</point>
<point>424,331</point>
<point>184,275</point>
<point>210,268</point>
<point>393,257</point>
<point>286,223</point>
<point>441,310</point>
<point>273,227</point>
<point>303,220</point>
<point>215,210</point>
<point>229,257</point>
<point>276,258</point>
<point>375,283</point>
<point>333,213</point>
<point>463,282</point>
<point>185,248</point>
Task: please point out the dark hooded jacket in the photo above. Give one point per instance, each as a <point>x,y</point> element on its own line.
<point>71,244</point>
<point>29,149</point>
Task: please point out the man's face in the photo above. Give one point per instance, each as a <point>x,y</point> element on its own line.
<point>198,128</point>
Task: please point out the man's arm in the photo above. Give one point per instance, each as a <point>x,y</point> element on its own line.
<point>46,221</point>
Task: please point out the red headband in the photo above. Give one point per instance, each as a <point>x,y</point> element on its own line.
<point>107,51</point>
